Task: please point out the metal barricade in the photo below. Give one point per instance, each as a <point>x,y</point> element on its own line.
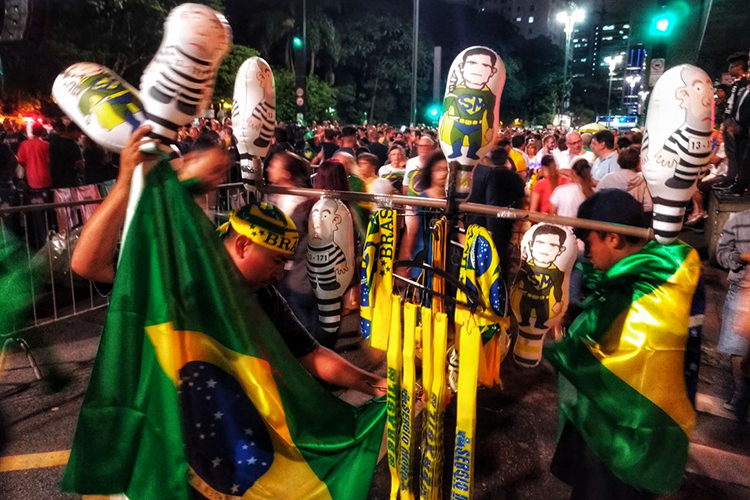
<point>50,232</point>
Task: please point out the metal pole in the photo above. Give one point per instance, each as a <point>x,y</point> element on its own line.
<point>436,67</point>
<point>414,61</point>
<point>568,36</point>
<point>609,95</point>
<point>475,208</point>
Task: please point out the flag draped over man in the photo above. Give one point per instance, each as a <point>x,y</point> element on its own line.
<point>193,387</point>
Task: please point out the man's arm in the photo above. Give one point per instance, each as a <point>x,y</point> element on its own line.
<point>329,366</point>
<point>94,255</point>
<point>727,254</point>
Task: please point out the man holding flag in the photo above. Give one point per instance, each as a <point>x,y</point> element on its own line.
<point>202,386</point>
<point>624,408</point>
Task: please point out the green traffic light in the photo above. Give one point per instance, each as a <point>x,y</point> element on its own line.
<point>434,111</point>
<point>297,42</point>
<point>662,24</point>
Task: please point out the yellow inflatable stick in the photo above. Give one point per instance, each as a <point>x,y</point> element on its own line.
<point>394,394</point>
<point>408,390</point>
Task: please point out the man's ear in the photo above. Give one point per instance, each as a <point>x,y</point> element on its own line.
<point>494,70</point>
<point>617,240</point>
<point>242,245</point>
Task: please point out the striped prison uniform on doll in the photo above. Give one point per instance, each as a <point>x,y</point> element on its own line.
<point>321,270</point>
<point>174,84</point>
<point>265,112</point>
<point>693,148</point>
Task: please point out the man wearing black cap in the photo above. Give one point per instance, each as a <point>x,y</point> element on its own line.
<point>623,397</point>
<point>348,141</point>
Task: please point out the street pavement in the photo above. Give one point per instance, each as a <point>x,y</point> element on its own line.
<point>516,425</point>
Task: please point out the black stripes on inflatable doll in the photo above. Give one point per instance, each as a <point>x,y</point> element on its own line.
<point>177,85</point>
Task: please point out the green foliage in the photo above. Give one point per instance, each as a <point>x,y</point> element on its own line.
<point>320,98</point>
<point>224,88</point>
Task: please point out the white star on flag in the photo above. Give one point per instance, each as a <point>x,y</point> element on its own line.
<point>235,488</point>
<point>216,461</point>
<point>252,460</point>
<point>211,383</point>
<point>249,432</point>
<point>244,446</point>
<point>218,415</point>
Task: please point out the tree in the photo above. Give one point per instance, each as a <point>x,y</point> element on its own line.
<point>120,34</point>
<point>225,78</point>
<point>321,98</point>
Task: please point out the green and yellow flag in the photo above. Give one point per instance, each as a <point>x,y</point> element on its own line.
<point>622,367</point>
<point>194,393</point>
<point>378,257</point>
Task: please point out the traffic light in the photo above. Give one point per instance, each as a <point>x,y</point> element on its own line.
<point>297,42</point>
<point>433,112</point>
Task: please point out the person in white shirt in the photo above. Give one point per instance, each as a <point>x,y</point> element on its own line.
<point>628,178</point>
<point>566,159</point>
<point>425,148</point>
<point>549,145</point>
<point>566,199</point>
<point>603,145</point>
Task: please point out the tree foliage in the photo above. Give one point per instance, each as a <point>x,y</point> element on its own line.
<point>321,98</point>
<point>224,88</point>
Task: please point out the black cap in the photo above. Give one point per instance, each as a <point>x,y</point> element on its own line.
<point>612,205</point>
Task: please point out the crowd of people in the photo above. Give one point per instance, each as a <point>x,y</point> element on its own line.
<point>554,170</point>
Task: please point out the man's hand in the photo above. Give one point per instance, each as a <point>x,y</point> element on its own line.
<point>131,156</point>
<point>209,167</point>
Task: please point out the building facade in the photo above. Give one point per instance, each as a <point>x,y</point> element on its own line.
<point>532,17</point>
<point>596,40</point>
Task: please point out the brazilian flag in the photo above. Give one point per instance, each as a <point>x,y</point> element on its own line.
<point>622,382</point>
<point>194,393</point>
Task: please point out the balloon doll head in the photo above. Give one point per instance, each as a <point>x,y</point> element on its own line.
<point>265,79</point>
<point>325,220</point>
<point>478,66</point>
<point>547,244</point>
<point>696,98</point>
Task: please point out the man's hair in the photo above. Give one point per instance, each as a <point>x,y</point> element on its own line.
<point>636,137</point>
<point>738,57</point>
<point>518,140</point>
<point>298,167</point>
<point>499,156</point>
<point>481,51</point>
<point>605,137</point>
<point>331,174</point>
<point>550,229</point>
<point>329,134</point>
<point>623,142</point>
<point>547,160</point>
<point>369,158</point>
<point>503,143</point>
<point>586,138</point>
<point>206,141</point>
<point>37,130</point>
<point>628,158</point>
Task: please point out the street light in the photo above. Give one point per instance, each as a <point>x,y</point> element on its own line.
<point>612,61</point>
<point>569,19</point>
<point>632,80</point>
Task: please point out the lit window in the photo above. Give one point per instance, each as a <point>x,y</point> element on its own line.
<point>531,19</point>
<point>608,27</point>
<point>606,38</point>
<point>575,40</point>
<point>518,19</point>
<point>624,37</point>
<point>625,26</point>
<point>583,60</point>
